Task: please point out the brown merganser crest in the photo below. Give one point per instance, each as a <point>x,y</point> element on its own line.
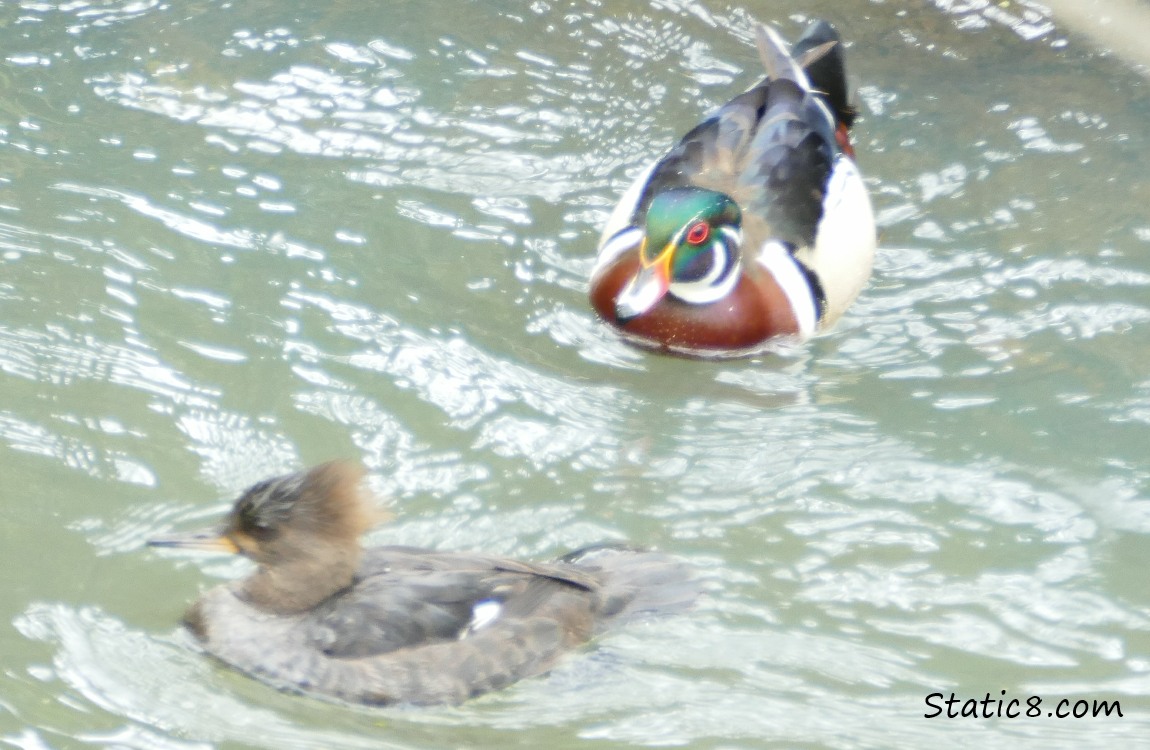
<point>756,226</point>
<point>323,615</point>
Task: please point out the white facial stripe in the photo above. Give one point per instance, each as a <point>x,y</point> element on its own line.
<point>784,268</point>
<point>717,265</point>
<point>701,291</point>
<point>714,286</point>
<point>735,236</point>
<point>713,273</point>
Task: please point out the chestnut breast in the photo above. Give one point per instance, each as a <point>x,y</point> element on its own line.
<point>757,309</point>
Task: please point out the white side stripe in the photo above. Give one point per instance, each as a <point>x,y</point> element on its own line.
<point>782,265</point>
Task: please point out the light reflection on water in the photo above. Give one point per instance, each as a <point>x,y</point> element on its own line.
<point>240,239</point>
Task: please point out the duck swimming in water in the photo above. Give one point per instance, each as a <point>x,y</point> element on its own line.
<point>323,615</point>
<point>755,226</point>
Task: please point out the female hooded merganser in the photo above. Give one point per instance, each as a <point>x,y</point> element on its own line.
<point>756,225</point>
<point>395,624</point>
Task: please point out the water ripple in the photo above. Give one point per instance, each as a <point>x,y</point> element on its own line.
<point>237,239</point>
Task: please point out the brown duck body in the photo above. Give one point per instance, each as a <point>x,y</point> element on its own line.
<point>404,630</point>
<point>403,624</point>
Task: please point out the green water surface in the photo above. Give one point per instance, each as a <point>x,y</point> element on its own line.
<point>238,238</point>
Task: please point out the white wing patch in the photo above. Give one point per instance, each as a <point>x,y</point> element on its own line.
<point>483,614</point>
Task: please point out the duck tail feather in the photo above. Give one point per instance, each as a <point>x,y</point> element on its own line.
<point>637,582</point>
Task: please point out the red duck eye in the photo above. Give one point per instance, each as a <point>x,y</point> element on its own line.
<point>698,233</point>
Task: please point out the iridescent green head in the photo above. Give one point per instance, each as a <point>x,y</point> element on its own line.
<point>690,248</point>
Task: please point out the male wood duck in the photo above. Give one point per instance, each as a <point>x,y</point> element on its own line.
<point>387,625</point>
<point>757,225</point>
